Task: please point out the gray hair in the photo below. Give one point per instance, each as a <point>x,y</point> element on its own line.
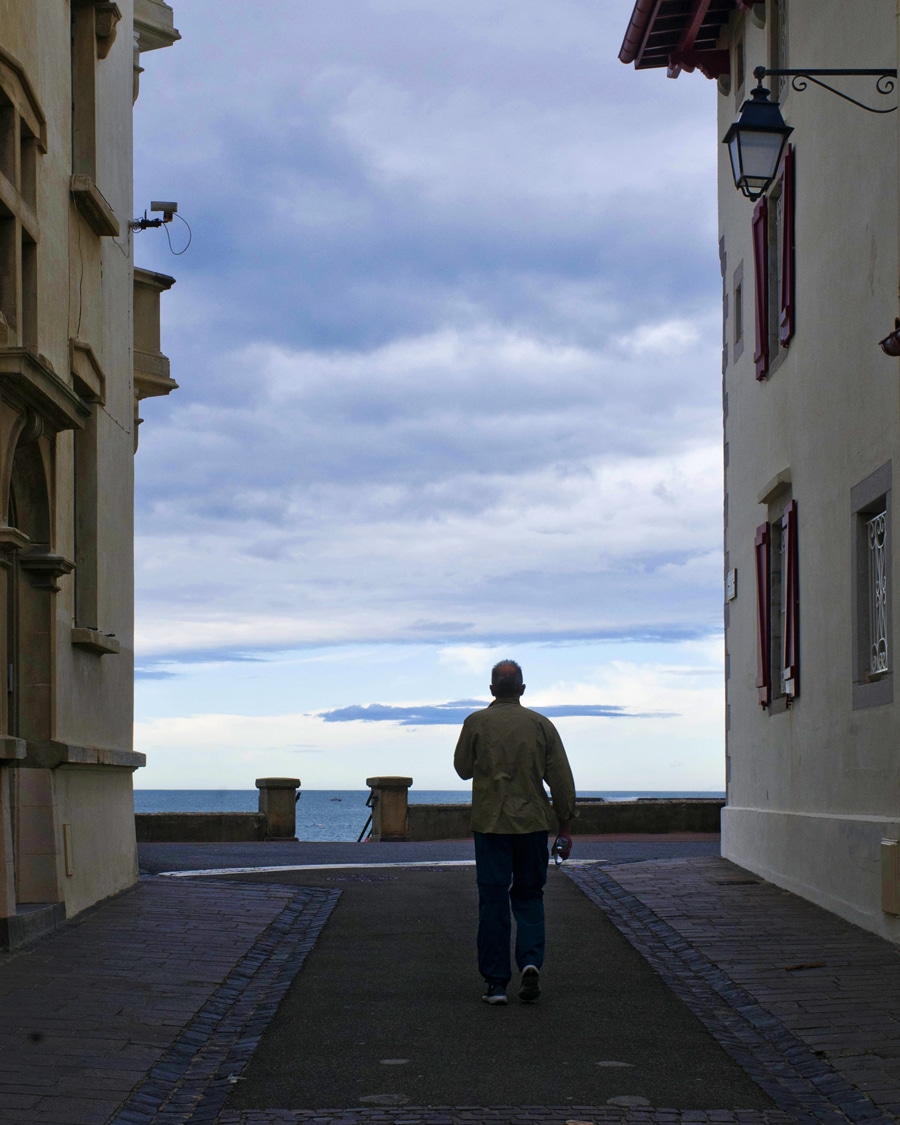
<point>506,678</point>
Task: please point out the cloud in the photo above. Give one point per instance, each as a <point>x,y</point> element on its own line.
<point>484,484</point>
<point>393,172</point>
<point>448,344</point>
<point>246,721</point>
<point>452,714</point>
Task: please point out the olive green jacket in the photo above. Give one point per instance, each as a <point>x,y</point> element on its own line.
<point>509,751</point>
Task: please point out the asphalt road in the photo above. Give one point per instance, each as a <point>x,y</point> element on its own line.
<point>156,858</point>
<point>387,1011</point>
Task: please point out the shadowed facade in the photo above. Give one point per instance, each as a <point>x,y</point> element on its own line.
<point>79,347</point>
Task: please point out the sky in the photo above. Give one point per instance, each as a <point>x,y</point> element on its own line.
<point>447,337</point>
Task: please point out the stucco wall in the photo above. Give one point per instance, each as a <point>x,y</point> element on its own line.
<point>760,841</point>
<point>102,302</point>
<point>67,439</point>
<point>811,788</point>
<point>98,807</point>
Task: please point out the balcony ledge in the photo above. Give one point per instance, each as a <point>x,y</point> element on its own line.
<point>154,21</point>
<point>92,640</point>
<point>98,214</point>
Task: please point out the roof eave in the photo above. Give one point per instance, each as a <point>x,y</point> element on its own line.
<point>665,34</point>
<point>641,20</point>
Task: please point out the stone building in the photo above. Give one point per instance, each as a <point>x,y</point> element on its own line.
<point>79,346</point>
<point>811,433</point>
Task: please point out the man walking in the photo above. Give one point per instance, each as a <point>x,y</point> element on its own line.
<point>509,751</point>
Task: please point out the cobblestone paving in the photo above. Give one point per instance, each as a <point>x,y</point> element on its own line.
<point>193,1079</point>
<point>146,1008</point>
<point>156,992</point>
<point>806,1003</point>
<point>505,1115</point>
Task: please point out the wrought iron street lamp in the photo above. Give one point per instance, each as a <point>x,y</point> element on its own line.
<point>756,140</point>
<point>755,143</point>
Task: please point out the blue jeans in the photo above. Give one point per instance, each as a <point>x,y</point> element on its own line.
<point>511,869</point>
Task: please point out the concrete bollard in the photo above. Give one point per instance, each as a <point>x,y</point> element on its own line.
<point>389,800</point>
<point>278,801</point>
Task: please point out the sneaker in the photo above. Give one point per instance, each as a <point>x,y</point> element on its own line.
<point>494,994</point>
<point>530,989</point>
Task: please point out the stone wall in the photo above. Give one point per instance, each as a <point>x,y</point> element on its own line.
<point>446,822</point>
<point>595,818</point>
<point>200,828</point>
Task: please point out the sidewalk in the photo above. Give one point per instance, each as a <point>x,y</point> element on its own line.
<point>183,1000</point>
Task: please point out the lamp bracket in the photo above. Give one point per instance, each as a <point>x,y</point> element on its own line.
<point>885,82</point>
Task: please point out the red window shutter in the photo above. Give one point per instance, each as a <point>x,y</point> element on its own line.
<point>761,284</point>
<point>790,640</point>
<point>786,297</point>
<point>763,616</point>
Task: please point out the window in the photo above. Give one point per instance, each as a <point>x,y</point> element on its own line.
<point>760,223</point>
<point>22,136</point>
<point>739,68</point>
<point>773,226</point>
<point>778,45</point>
<point>93,34</point>
<point>763,615</point>
<point>876,568</point>
<point>737,337</point>
<point>789,608</point>
<point>84,99</point>
<point>778,609</point>
<point>784,249</point>
<point>870,504</point>
<point>89,381</point>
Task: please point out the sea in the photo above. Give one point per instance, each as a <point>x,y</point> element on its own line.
<point>336,814</point>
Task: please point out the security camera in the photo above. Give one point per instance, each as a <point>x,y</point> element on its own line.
<point>167,207</point>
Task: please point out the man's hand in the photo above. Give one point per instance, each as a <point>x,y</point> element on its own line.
<point>562,845</point>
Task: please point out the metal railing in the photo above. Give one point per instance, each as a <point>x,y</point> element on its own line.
<point>370,804</point>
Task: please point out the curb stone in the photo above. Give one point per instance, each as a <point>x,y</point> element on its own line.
<point>798,1080</point>
<point>193,1079</point>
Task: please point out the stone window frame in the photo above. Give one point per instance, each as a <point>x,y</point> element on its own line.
<point>739,320</point>
<point>870,496</point>
<point>777,598</point>
<point>94,24</point>
<point>739,70</point>
<point>23,138</point>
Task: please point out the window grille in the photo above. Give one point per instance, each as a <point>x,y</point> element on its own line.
<point>778,609</point>
<point>790,604</point>
<point>876,537</point>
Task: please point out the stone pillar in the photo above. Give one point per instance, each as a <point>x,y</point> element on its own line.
<point>278,801</point>
<point>389,800</point>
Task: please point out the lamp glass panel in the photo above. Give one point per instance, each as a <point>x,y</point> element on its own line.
<point>734,151</point>
<point>760,153</point>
